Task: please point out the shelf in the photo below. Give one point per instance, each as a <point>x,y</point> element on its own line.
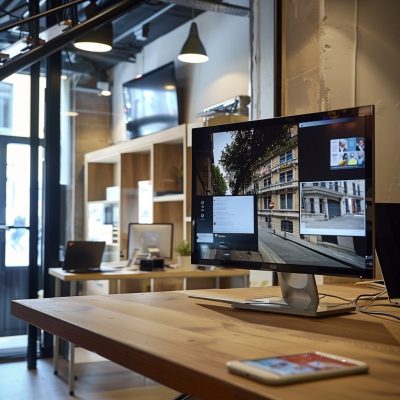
<point>169,197</point>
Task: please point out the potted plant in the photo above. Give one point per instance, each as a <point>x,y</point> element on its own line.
<point>184,251</point>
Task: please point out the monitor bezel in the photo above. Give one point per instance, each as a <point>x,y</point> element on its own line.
<point>368,113</point>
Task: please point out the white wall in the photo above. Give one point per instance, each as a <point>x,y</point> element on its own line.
<point>341,53</point>
<point>225,75</point>
<point>362,66</point>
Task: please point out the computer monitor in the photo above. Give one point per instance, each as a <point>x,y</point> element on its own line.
<point>387,245</point>
<point>291,194</point>
<point>147,241</point>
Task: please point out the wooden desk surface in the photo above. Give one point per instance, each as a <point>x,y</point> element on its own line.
<point>184,343</point>
<point>65,276</point>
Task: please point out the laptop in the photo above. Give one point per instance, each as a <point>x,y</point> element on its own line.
<point>387,245</point>
<point>83,256</point>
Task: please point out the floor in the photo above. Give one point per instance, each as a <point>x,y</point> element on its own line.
<point>102,380</point>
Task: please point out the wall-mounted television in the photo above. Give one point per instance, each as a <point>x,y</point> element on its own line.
<point>151,102</point>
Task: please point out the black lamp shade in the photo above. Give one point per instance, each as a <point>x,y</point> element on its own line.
<point>193,50</point>
<point>98,40</point>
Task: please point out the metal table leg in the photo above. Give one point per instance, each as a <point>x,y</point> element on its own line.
<point>56,339</point>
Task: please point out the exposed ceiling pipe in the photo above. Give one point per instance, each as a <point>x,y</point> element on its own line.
<point>139,26</point>
<point>213,6</point>
<point>25,60</point>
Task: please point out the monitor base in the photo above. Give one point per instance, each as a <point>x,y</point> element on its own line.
<point>279,305</point>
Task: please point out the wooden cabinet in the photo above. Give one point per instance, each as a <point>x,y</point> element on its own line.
<point>112,177</point>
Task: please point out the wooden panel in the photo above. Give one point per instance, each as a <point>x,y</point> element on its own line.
<point>185,343</point>
<point>171,212</point>
<point>135,167</point>
<point>100,176</point>
<point>168,164</point>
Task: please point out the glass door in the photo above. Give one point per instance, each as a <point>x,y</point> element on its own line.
<point>14,236</point>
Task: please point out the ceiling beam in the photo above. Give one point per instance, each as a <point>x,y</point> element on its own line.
<point>27,59</point>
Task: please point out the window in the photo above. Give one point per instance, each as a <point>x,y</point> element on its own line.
<point>323,184</point>
<point>286,157</point>
<point>287,226</point>
<point>345,187</point>
<point>267,182</point>
<point>6,90</point>
<point>286,177</point>
<point>283,201</point>
<point>289,201</point>
<point>354,188</point>
<point>267,201</point>
<point>336,186</point>
<point>286,201</point>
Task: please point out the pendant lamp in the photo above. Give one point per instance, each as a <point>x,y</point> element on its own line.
<point>97,40</point>
<point>193,50</point>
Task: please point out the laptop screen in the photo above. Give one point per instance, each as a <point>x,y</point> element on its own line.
<point>83,256</point>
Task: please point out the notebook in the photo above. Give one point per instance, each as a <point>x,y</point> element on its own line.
<point>83,256</point>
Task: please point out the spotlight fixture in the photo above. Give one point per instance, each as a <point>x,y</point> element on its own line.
<point>193,50</point>
<point>104,88</point>
<point>98,40</point>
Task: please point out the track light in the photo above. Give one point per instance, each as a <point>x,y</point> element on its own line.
<point>104,88</point>
<point>193,50</point>
<point>98,40</point>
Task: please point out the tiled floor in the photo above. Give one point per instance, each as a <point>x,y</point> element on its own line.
<point>96,381</point>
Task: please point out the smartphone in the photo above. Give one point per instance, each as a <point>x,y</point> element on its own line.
<point>296,367</point>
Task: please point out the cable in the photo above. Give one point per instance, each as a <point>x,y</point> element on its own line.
<point>371,298</point>
<point>323,295</point>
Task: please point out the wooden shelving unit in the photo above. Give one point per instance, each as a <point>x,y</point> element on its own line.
<point>160,158</point>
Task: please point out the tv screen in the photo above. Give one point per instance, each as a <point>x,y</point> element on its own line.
<point>289,194</point>
<point>151,102</point>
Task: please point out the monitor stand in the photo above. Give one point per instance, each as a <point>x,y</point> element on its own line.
<point>299,297</point>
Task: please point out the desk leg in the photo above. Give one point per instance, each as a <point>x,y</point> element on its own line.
<point>56,339</point>
<point>217,282</point>
<point>184,283</point>
<point>151,284</point>
<point>71,369</point>
<point>245,281</point>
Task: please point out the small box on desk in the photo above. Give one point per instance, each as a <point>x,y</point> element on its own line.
<point>153,264</point>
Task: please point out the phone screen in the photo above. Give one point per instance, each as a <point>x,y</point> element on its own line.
<point>298,364</point>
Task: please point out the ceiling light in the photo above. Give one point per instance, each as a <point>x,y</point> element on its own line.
<point>104,88</point>
<point>98,40</point>
<point>193,50</point>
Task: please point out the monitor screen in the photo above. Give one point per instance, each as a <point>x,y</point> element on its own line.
<point>288,194</point>
<point>150,240</point>
<point>151,102</point>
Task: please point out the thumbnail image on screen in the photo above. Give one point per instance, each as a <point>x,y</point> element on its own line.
<point>333,208</point>
<point>347,152</point>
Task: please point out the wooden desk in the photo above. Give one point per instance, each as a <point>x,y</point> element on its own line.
<point>122,274</point>
<point>117,276</point>
<point>184,343</point>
